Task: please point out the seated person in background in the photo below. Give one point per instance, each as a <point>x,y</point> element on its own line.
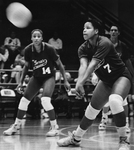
<point>56,42</point>
<point>4,54</point>
<point>12,42</point>
<point>18,65</point>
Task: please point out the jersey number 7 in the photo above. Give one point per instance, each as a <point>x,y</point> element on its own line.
<point>107,66</point>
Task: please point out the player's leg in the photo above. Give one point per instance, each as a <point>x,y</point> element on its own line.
<point>29,93</point>
<point>118,94</point>
<point>125,105</point>
<point>48,89</point>
<point>98,100</point>
<point>105,111</point>
<point>104,119</point>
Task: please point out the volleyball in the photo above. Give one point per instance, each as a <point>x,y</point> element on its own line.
<point>19,15</point>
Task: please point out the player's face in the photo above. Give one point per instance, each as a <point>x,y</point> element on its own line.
<point>89,32</point>
<point>114,32</point>
<point>37,38</point>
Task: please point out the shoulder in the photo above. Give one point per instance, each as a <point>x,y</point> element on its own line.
<point>48,47</point>
<point>83,50</point>
<point>83,45</point>
<point>17,39</point>
<point>59,39</point>
<point>28,48</point>
<point>7,38</point>
<point>50,39</point>
<point>104,41</point>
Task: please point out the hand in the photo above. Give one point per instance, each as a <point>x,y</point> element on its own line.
<point>19,88</point>
<point>80,92</point>
<point>67,86</point>
<point>132,96</point>
<point>94,79</point>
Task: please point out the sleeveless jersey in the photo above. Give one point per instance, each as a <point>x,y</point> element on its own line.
<point>42,63</point>
<point>111,66</point>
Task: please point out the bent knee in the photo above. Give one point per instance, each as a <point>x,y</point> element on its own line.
<point>116,103</point>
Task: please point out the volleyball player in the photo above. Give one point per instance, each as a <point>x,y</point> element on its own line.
<point>43,58</point>
<point>97,54</point>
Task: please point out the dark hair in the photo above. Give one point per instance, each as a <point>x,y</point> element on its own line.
<point>41,32</point>
<point>96,24</point>
<point>116,26</point>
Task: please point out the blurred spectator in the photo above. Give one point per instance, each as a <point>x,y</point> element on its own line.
<point>13,45</point>
<point>4,54</point>
<point>18,65</point>
<point>56,42</point>
<point>12,42</point>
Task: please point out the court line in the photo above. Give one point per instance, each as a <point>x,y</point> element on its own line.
<point>108,126</point>
<point>92,138</point>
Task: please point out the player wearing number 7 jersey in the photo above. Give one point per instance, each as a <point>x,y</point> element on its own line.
<point>42,57</point>
<point>97,54</point>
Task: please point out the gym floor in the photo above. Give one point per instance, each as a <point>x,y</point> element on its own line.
<point>32,135</point>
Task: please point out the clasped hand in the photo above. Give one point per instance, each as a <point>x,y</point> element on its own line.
<point>80,92</point>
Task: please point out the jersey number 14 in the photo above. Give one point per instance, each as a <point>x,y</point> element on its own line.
<point>46,71</point>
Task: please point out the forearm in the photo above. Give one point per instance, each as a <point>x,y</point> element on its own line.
<point>87,74</point>
<point>62,70</point>
<point>81,73</point>
<point>24,72</point>
<point>2,58</point>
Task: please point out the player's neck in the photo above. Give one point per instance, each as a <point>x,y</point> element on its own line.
<point>114,40</point>
<point>38,48</point>
<point>94,40</point>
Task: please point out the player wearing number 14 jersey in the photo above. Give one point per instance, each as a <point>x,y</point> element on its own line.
<point>42,57</point>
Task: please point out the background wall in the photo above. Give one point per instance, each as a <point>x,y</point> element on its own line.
<point>124,9</point>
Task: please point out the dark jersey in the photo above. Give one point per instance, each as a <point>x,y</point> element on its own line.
<point>122,51</point>
<point>43,63</point>
<point>111,66</point>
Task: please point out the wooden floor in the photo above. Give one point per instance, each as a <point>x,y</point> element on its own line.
<point>32,136</point>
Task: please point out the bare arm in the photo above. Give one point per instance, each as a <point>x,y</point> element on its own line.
<point>5,56</point>
<point>62,70</point>
<point>24,72</point>
<point>90,69</point>
<point>82,69</point>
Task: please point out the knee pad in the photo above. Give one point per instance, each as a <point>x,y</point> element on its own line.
<point>116,103</point>
<point>91,113</point>
<point>107,104</point>
<point>125,102</point>
<point>46,103</point>
<point>23,105</point>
